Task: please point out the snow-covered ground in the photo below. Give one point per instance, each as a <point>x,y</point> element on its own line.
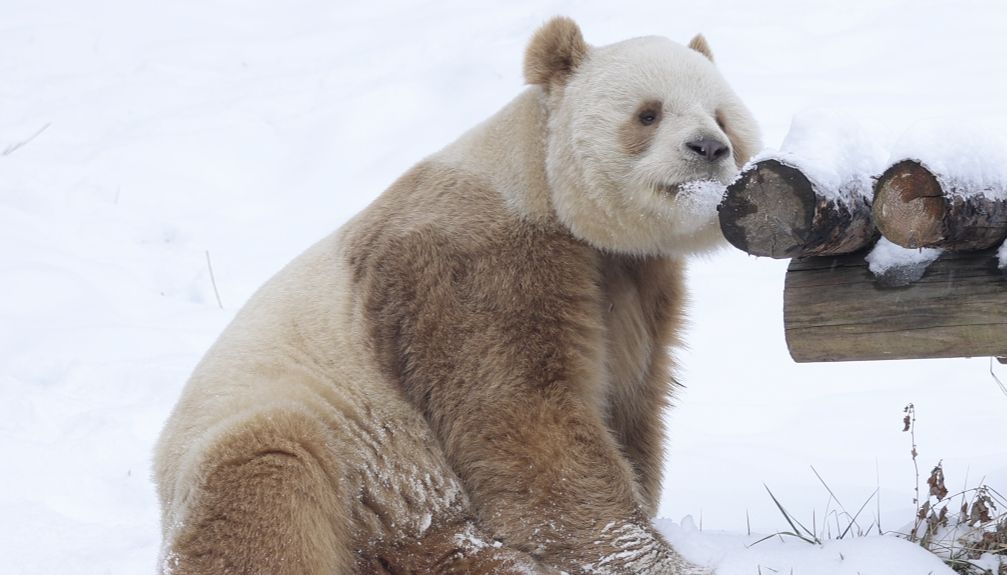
<point>142,140</point>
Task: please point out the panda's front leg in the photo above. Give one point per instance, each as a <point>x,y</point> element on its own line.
<point>521,421</point>
<point>546,477</point>
<point>506,361</point>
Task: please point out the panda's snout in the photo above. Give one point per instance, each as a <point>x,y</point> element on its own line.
<point>711,149</point>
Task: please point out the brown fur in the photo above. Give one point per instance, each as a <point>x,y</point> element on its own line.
<point>451,383</point>
<point>643,321</point>
<point>634,136</point>
<point>554,53</point>
<point>741,144</point>
<point>233,530</point>
<point>447,550</point>
<point>525,349</point>
<point>538,362</point>
<point>699,44</point>
<point>283,491</point>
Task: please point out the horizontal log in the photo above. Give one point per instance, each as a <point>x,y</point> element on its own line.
<point>835,310</point>
<point>775,210</point>
<point>913,209</point>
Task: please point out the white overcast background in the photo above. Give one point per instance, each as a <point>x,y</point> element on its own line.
<point>137,138</point>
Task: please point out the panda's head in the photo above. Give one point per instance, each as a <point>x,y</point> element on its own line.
<point>642,135</point>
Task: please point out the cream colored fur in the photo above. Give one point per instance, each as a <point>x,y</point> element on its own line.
<point>469,376</point>
<point>610,198</point>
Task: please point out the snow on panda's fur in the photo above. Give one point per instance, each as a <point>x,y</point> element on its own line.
<point>468,377</point>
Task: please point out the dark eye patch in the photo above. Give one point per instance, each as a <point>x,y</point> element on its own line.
<point>649,113</point>
<point>638,131</point>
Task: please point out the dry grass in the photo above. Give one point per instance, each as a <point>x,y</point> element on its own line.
<point>968,529</point>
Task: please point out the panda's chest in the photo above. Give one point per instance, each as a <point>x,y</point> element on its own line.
<point>629,332</point>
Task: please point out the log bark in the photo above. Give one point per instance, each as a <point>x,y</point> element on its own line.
<point>774,210</point>
<point>834,310</point>
<point>913,209</point>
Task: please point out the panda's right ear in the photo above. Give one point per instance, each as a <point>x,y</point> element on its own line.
<point>554,52</point>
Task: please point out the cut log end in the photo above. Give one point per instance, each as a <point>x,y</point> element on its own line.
<point>917,208</point>
<point>909,206</point>
<point>775,210</point>
<point>768,211</point>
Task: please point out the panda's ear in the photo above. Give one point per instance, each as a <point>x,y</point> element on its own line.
<point>699,44</point>
<point>554,52</point>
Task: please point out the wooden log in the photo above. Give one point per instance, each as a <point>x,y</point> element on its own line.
<point>834,310</point>
<point>774,210</point>
<point>915,208</point>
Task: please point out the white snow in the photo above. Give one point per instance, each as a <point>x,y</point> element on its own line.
<point>967,156</point>
<point>700,197</point>
<point>838,152</point>
<point>137,136</point>
<point>738,554</point>
<point>900,265</point>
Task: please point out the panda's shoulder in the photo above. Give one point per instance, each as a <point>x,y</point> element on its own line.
<point>434,212</point>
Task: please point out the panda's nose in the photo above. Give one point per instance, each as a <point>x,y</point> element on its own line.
<point>710,148</point>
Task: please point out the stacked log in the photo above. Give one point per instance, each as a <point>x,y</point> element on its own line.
<point>917,208</point>
<point>776,210</point>
<point>834,310</point>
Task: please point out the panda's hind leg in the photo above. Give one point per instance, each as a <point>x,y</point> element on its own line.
<point>347,489</point>
<point>262,499</point>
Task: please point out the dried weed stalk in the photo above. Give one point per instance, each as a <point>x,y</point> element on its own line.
<point>971,540</point>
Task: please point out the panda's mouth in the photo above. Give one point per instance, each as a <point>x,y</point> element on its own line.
<point>701,186</point>
<point>705,187</point>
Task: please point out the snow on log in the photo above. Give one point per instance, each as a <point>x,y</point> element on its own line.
<point>915,207</point>
<point>896,266</point>
<point>835,310</point>
<point>813,195</point>
<point>775,210</point>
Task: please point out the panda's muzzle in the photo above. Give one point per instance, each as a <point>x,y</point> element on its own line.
<point>710,149</point>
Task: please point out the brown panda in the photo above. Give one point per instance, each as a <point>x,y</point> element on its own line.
<point>468,377</point>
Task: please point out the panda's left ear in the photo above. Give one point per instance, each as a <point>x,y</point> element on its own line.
<point>556,50</point>
<point>699,44</point>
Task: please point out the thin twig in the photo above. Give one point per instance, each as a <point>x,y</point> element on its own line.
<point>213,280</point>
<point>910,425</point>
<point>877,489</point>
<point>1003,388</point>
<point>18,145</point>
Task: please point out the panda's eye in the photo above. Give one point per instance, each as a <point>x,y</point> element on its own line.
<point>648,112</point>
<point>647,117</point>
